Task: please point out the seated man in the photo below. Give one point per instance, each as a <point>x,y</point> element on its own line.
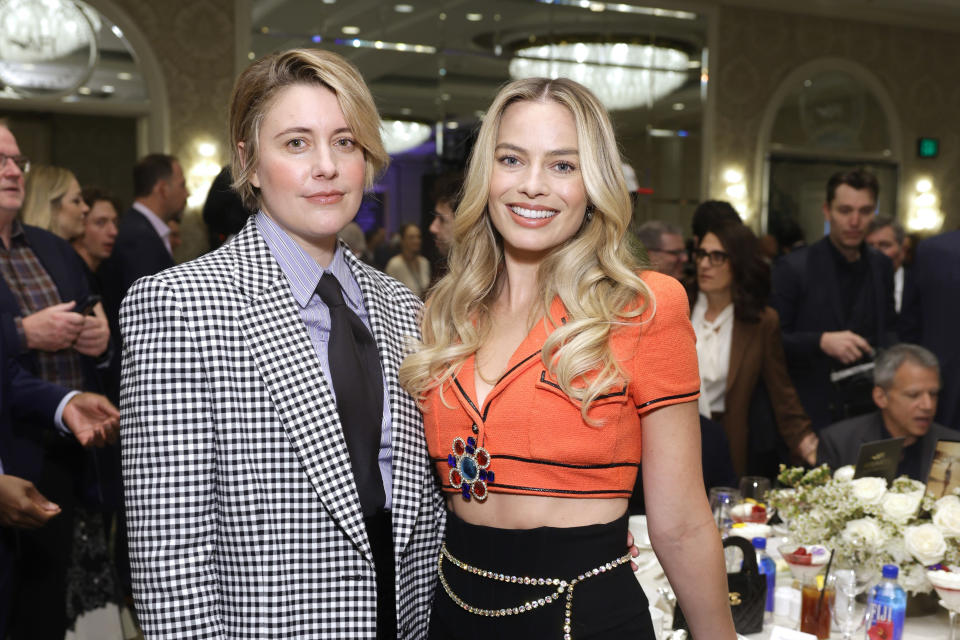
<point>906,384</point>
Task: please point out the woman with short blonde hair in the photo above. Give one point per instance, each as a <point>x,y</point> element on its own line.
<point>547,356</point>
<point>53,201</point>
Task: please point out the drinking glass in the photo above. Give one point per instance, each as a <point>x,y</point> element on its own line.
<point>753,490</point>
<point>722,501</point>
<point>947,584</point>
<point>847,612</point>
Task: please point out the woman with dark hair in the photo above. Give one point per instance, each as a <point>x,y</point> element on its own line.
<point>738,346</point>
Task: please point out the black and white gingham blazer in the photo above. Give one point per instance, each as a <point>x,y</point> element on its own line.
<point>244,520</point>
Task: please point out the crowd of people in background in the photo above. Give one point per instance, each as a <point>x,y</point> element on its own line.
<point>804,351</point>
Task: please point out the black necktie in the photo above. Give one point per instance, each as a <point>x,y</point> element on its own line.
<point>357,381</point>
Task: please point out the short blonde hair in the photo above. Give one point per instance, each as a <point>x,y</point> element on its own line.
<point>593,273</point>
<point>45,187</point>
<point>258,86</point>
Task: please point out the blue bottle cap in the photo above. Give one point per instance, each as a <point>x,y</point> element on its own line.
<point>890,571</point>
<point>760,543</point>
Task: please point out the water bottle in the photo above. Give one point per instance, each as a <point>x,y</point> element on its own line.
<point>887,605</point>
<point>769,569</point>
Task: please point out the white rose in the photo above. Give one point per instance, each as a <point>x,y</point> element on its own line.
<point>946,515</point>
<point>868,490</point>
<point>900,507</point>
<point>845,473</point>
<point>865,531</point>
<point>925,543</point>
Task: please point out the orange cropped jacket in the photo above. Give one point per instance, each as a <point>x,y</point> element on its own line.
<point>529,436</point>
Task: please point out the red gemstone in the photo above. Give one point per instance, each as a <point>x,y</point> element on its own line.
<point>479,490</point>
<point>459,448</point>
<point>457,479</point>
<point>482,458</point>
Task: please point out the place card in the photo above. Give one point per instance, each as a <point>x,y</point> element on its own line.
<point>879,459</point>
<point>944,473</point>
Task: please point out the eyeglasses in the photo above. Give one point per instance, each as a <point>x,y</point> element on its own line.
<point>22,162</point>
<point>717,258</point>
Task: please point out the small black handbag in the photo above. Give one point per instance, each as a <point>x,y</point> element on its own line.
<point>747,592</point>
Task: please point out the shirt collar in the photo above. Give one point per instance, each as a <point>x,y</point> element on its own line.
<point>161,227</point>
<point>302,272</point>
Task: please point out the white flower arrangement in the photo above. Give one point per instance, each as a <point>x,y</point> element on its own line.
<point>866,520</point>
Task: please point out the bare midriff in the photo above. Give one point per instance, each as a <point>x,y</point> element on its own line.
<point>509,511</point>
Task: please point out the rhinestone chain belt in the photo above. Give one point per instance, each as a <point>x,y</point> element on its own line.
<point>561,587</point>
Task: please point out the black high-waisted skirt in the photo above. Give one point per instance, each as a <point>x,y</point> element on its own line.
<point>610,604</point>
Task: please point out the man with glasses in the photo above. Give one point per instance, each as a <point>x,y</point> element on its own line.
<point>835,300</point>
<point>665,247</point>
<point>43,290</point>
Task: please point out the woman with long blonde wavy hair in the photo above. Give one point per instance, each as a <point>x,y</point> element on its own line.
<point>547,356</point>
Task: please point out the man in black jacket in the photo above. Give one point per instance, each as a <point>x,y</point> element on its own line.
<point>835,300</point>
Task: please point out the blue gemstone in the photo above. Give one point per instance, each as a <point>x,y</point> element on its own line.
<point>483,474</point>
<point>451,460</point>
<point>489,476</point>
<point>470,450</point>
<point>471,442</point>
<point>465,490</point>
<point>468,468</point>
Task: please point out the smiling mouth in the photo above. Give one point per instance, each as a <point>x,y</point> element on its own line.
<point>533,214</point>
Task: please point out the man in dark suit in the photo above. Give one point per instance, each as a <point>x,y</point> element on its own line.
<point>931,306</point>
<point>887,235</point>
<point>89,417</point>
<point>907,381</point>
<point>42,286</point>
<point>835,300</point>
<point>143,237</point>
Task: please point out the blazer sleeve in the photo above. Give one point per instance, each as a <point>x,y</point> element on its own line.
<point>169,464</point>
<point>792,421</point>
<point>32,399</point>
<point>786,297</point>
<point>828,451</point>
<point>665,369</point>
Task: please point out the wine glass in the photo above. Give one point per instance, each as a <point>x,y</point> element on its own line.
<point>722,501</point>
<point>847,612</point>
<point>947,584</point>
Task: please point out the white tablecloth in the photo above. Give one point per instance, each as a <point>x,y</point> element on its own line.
<point>652,579</point>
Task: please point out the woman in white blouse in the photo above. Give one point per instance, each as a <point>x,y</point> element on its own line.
<point>738,345</point>
<point>408,266</point>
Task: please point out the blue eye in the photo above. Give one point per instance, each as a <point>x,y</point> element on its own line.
<point>565,167</point>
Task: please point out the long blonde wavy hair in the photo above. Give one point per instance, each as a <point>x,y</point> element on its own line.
<point>44,189</point>
<point>593,273</point>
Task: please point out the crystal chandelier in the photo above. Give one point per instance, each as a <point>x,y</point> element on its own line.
<point>622,75</point>
<point>402,135</point>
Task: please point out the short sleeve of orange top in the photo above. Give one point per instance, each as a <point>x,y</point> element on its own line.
<point>529,437</point>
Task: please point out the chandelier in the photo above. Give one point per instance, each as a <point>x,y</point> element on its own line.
<point>622,75</point>
<point>400,136</point>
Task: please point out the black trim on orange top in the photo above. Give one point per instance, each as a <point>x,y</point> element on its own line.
<point>496,485</point>
<point>483,416</point>
<point>665,398</point>
<point>605,465</point>
<point>543,379</point>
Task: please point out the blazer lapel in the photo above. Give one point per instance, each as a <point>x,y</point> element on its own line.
<point>281,348</point>
<point>739,343</point>
<point>409,450</point>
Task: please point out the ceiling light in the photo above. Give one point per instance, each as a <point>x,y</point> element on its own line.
<point>453,125</point>
<point>406,111</point>
<point>350,30</point>
<point>924,185</point>
<point>107,88</point>
<point>732,176</point>
<point>123,75</point>
<point>84,91</point>
<point>251,55</point>
<point>620,7</point>
<point>678,106</point>
<point>403,8</point>
<point>402,135</point>
<point>622,75</point>
<point>474,17</point>
<point>117,31</point>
